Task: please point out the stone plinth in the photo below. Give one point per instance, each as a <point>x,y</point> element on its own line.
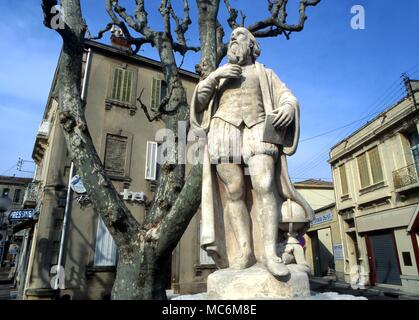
<point>257,283</point>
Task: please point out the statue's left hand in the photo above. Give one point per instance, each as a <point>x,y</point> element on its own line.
<point>284,116</point>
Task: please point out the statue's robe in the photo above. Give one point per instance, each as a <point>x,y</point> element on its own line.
<point>217,237</point>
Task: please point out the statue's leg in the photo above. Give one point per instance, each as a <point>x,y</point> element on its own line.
<point>231,175</point>
<point>262,173</point>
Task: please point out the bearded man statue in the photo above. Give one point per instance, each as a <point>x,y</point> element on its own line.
<point>246,186</point>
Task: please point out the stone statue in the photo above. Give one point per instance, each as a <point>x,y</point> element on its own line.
<point>251,212</point>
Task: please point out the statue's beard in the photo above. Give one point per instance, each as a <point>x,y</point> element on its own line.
<point>238,53</point>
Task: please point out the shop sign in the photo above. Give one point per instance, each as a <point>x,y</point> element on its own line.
<point>338,252</point>
<point>328,216</point>
<point>16,215</point>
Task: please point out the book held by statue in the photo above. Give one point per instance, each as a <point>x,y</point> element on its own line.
<point>272,134</point>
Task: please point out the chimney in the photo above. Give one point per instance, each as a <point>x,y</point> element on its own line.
<point>118,40</point>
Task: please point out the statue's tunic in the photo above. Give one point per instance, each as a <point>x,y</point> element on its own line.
<point>236,128</point>
<point>241,100</point>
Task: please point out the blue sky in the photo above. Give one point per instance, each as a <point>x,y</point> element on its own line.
<point>340,75</point>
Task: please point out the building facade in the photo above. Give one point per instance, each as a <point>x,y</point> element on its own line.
<point>12,190</point>
<point>126,143</point>
<point>324,244</point>
<point>375,172</point>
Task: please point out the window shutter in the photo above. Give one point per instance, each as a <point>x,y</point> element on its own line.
<point>151,161</point>
<point>122,85</point>
<point>155,94</point>
<point>343,180</point>
<point>115,154</point>
<point>105,249</point>
<point>376,170</point>
<point>363,170</point>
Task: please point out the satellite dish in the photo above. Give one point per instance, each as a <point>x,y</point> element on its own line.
<point>77,185</point>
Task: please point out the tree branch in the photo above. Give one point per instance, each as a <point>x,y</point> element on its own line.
<point>276,24</point>
<point>165,13</point>
<point>234,13</point>
<point>139,24</point>
<point>157,116</point>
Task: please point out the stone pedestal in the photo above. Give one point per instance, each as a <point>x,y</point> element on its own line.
<point>257,283</point>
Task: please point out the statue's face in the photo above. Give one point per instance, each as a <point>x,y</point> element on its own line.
<point>239,46</point>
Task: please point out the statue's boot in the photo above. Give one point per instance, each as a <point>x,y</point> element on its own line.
<point>276,266</point>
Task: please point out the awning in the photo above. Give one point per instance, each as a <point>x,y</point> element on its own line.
<point>388,219</point>
<point>23,225</point>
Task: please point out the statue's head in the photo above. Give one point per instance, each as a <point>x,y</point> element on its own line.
<point>242,47</point>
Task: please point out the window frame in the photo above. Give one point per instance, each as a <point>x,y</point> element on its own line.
<point>369,167</point>
<point>114,258</point>
<point>127,168</point>
<point>343,166</point>
<point>125,67</point>
<point>152,177</point>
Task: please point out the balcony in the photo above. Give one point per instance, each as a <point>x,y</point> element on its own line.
<point>41,141</point>
<point>31,195</point>
<point>406,178</point>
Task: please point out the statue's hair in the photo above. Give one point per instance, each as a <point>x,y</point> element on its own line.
<point>254,45</point>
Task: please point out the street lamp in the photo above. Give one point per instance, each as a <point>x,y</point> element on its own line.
<point>5,206</point>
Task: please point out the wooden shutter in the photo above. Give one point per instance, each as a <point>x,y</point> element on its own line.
<point>363,170</point>
<point>115,154</point>
<point>375,164</point>
<point>343,180</point>
<point>155,94</point>
<point>105,249</point>
<point>151,161</point>
<point>122,85</point>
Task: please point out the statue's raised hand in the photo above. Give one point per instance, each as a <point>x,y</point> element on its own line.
<point>228,71</point>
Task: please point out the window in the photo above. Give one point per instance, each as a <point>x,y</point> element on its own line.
<point>376,171</point>
<point>343,180</point>
<point>16,196</point>
<point>369,166</point>
<point>116,154</point>
<point>158,92</point>
<point>151,161</point>
<point>122,85</point>
<point>105,249</point>
<point>414,147</point>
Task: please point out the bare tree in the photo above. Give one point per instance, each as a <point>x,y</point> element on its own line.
<point>144,248</point>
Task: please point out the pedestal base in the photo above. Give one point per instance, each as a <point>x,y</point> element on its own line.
<point>257,283</point>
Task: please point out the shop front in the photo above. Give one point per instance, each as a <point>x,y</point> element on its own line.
<point>324,246</point>
<point>391,248</point>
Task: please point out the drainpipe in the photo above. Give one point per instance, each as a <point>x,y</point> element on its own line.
<point>67,209</point>
<point>64,229</point>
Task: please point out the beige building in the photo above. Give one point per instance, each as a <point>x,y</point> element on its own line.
<point>12,190</point>
<point>318,193</point>
<point>323,244</point>
<point>375,172</point>
<point>125,141</point>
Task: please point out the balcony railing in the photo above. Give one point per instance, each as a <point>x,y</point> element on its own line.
<point>31,194</point>
<point>406,176</point>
